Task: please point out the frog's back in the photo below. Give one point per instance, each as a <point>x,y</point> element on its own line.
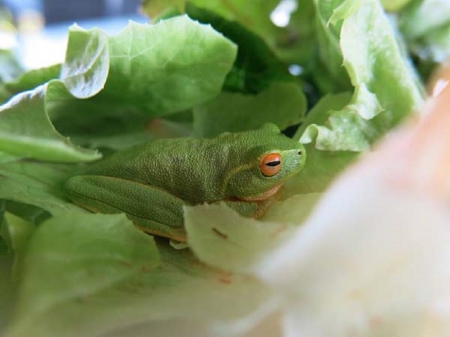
<point>186,167</point>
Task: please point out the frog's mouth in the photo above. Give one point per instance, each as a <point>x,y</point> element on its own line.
<point>263,196</point>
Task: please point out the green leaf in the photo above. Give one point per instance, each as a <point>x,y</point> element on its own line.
<point>122,78</point>
<point>28,212</point>
<point>222,238</point>
<point>395,5</point>
<point>5,158</point>
<point>18,233</point>
<point>330,52</point>
<point>35,184</point>
<point>293,44</point>
<point>10,70</point>
<point>156,8</point>
<point>10,67</point>
<point>386,87</point>
<point>31,79</point>
<point>423,16</point>
<point>90,124</point>
<point>435,46</point>
<point>85,69</point>
<point>344,10</point>
<point>256,65</point>
<point>7,291</point>
<point>96,274</point>
<point>426,28</point>
<point>322,166</point>
<point>282,103</point>
<point>293,209</point>
<point>320,113</point>
<point>92,275</point>
<point>296,43</point>
<point>26,131</point>
<point>159,78</point>
<point>4,246</point>
<point>145,78</point>
<point>255,15</point>
<point>5,242</point>
<point>68,260</point>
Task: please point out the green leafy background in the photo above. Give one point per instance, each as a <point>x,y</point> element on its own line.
<point>202,68</point>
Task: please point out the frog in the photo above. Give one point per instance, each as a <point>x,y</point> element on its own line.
<point>152,182</point>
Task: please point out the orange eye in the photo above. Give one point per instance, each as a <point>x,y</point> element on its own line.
<point>271,164</point>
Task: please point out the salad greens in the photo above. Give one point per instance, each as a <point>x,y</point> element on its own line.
<point>337,77</point>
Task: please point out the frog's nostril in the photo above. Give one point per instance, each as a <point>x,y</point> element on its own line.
<point>299,153</point>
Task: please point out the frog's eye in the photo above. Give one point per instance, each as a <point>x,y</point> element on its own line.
<point>271,164</point>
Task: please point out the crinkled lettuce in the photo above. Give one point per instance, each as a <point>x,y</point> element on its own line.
<point>337,77</point>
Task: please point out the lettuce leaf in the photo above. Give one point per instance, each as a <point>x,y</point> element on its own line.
<point>282,103</point>
<point>256,65</point>
<point>26,131</point>
<point>426,29</point>
<point>35,184</point>
<point>97,274</point>
<point>30,80</point>
<point>86,274</point>
<point>254,15</point>
<point>10,67</point>
<point>386,89</point>
<point>131,75</point>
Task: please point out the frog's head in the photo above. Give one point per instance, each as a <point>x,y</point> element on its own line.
<point>264,159</point>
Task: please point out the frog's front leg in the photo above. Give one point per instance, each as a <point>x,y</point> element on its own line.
<point>151,209</point>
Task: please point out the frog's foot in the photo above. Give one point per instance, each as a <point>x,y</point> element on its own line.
<point>178,234</point>
<point>178,245</point>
